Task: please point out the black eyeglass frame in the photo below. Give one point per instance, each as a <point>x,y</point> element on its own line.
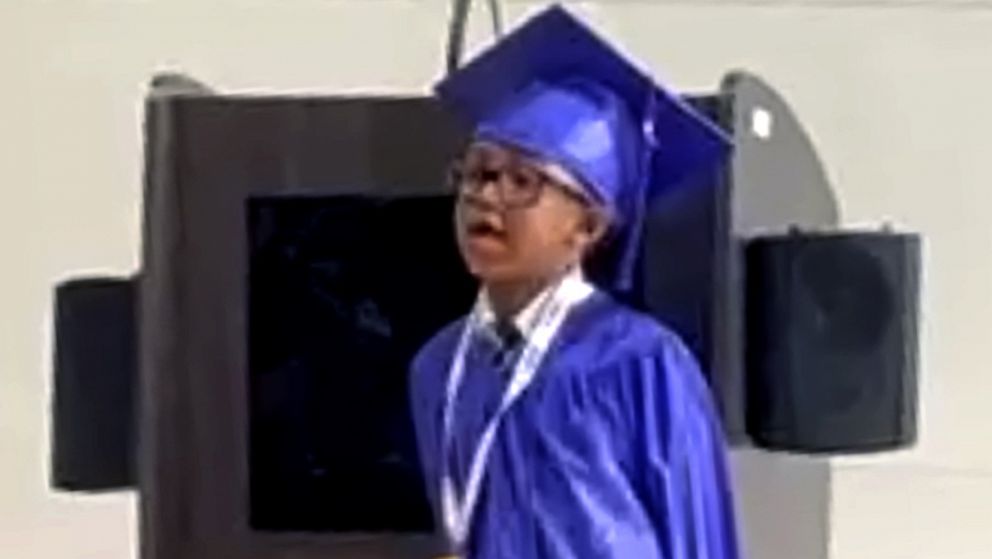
<point>519,185</point>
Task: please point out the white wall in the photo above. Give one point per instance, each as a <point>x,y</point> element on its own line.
<point>895,99</point>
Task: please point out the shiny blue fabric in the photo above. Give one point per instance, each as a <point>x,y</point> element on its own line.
<point>615,451</point>
<point>554,50</point>
<point>556,90</point>
<point>581,126</point>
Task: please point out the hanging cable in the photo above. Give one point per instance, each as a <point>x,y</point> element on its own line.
<point>496,13</point>
<point>456,29</point>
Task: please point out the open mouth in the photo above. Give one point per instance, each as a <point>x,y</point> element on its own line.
<point>483,228</point>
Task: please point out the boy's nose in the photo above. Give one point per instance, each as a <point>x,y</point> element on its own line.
<point>486,198</point>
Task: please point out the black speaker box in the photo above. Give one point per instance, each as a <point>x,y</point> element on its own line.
<point>297,252</point>
<point>93,397</point>
<point>832,341</point>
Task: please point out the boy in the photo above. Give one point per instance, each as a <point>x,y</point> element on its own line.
<point>552,421</point>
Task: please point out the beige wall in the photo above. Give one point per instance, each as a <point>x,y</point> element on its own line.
<point>895,98</point>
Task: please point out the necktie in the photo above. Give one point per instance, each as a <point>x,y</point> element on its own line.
<point>508,334</point>
<point>510,340</point>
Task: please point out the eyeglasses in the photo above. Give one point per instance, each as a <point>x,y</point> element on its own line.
<point>518,184</point>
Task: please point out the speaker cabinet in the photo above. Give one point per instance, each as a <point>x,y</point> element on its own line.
<point>832,341</point>
<point>297,252</point>
<point>93,397</point>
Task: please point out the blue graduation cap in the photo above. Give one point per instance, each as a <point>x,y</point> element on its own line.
<point>559,92</point>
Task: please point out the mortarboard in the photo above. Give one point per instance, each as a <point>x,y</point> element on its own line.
<point>555,89</point>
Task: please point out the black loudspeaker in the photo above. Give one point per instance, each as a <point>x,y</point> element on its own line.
<point>93,435</point>
<point>832,341</point>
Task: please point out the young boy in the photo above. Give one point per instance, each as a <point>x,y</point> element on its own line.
<point>552,421</point>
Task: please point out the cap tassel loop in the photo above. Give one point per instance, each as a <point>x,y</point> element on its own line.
<point>635,226</point>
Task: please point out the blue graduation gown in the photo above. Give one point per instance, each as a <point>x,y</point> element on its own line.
<point>614,452</point>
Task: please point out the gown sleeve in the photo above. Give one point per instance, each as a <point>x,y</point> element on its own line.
<point>423,401</point>
<point>428,373</point>
<point>680,457</point>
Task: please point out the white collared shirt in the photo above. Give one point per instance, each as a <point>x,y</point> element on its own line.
<point>526,319</point>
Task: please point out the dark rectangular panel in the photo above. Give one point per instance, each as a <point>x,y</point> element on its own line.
<point>343,291</point>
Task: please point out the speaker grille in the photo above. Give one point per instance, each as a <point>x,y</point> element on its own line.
<point>850,296</point>
<point>832,341</point>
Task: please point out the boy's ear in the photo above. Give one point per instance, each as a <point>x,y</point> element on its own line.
<point>595,224</point>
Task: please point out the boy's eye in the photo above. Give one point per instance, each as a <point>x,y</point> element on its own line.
<point>481,175</point>
<point>487,176</point>
<point>522,180</point>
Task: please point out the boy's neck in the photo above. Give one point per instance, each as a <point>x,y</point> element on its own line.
<point>508,298</point>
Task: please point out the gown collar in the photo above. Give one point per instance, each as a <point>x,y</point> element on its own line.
<point>526,319</point>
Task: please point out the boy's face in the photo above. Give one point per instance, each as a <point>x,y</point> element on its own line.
<point>514,223</point>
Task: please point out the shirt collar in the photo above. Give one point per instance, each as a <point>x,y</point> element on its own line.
<point>526,319</point>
